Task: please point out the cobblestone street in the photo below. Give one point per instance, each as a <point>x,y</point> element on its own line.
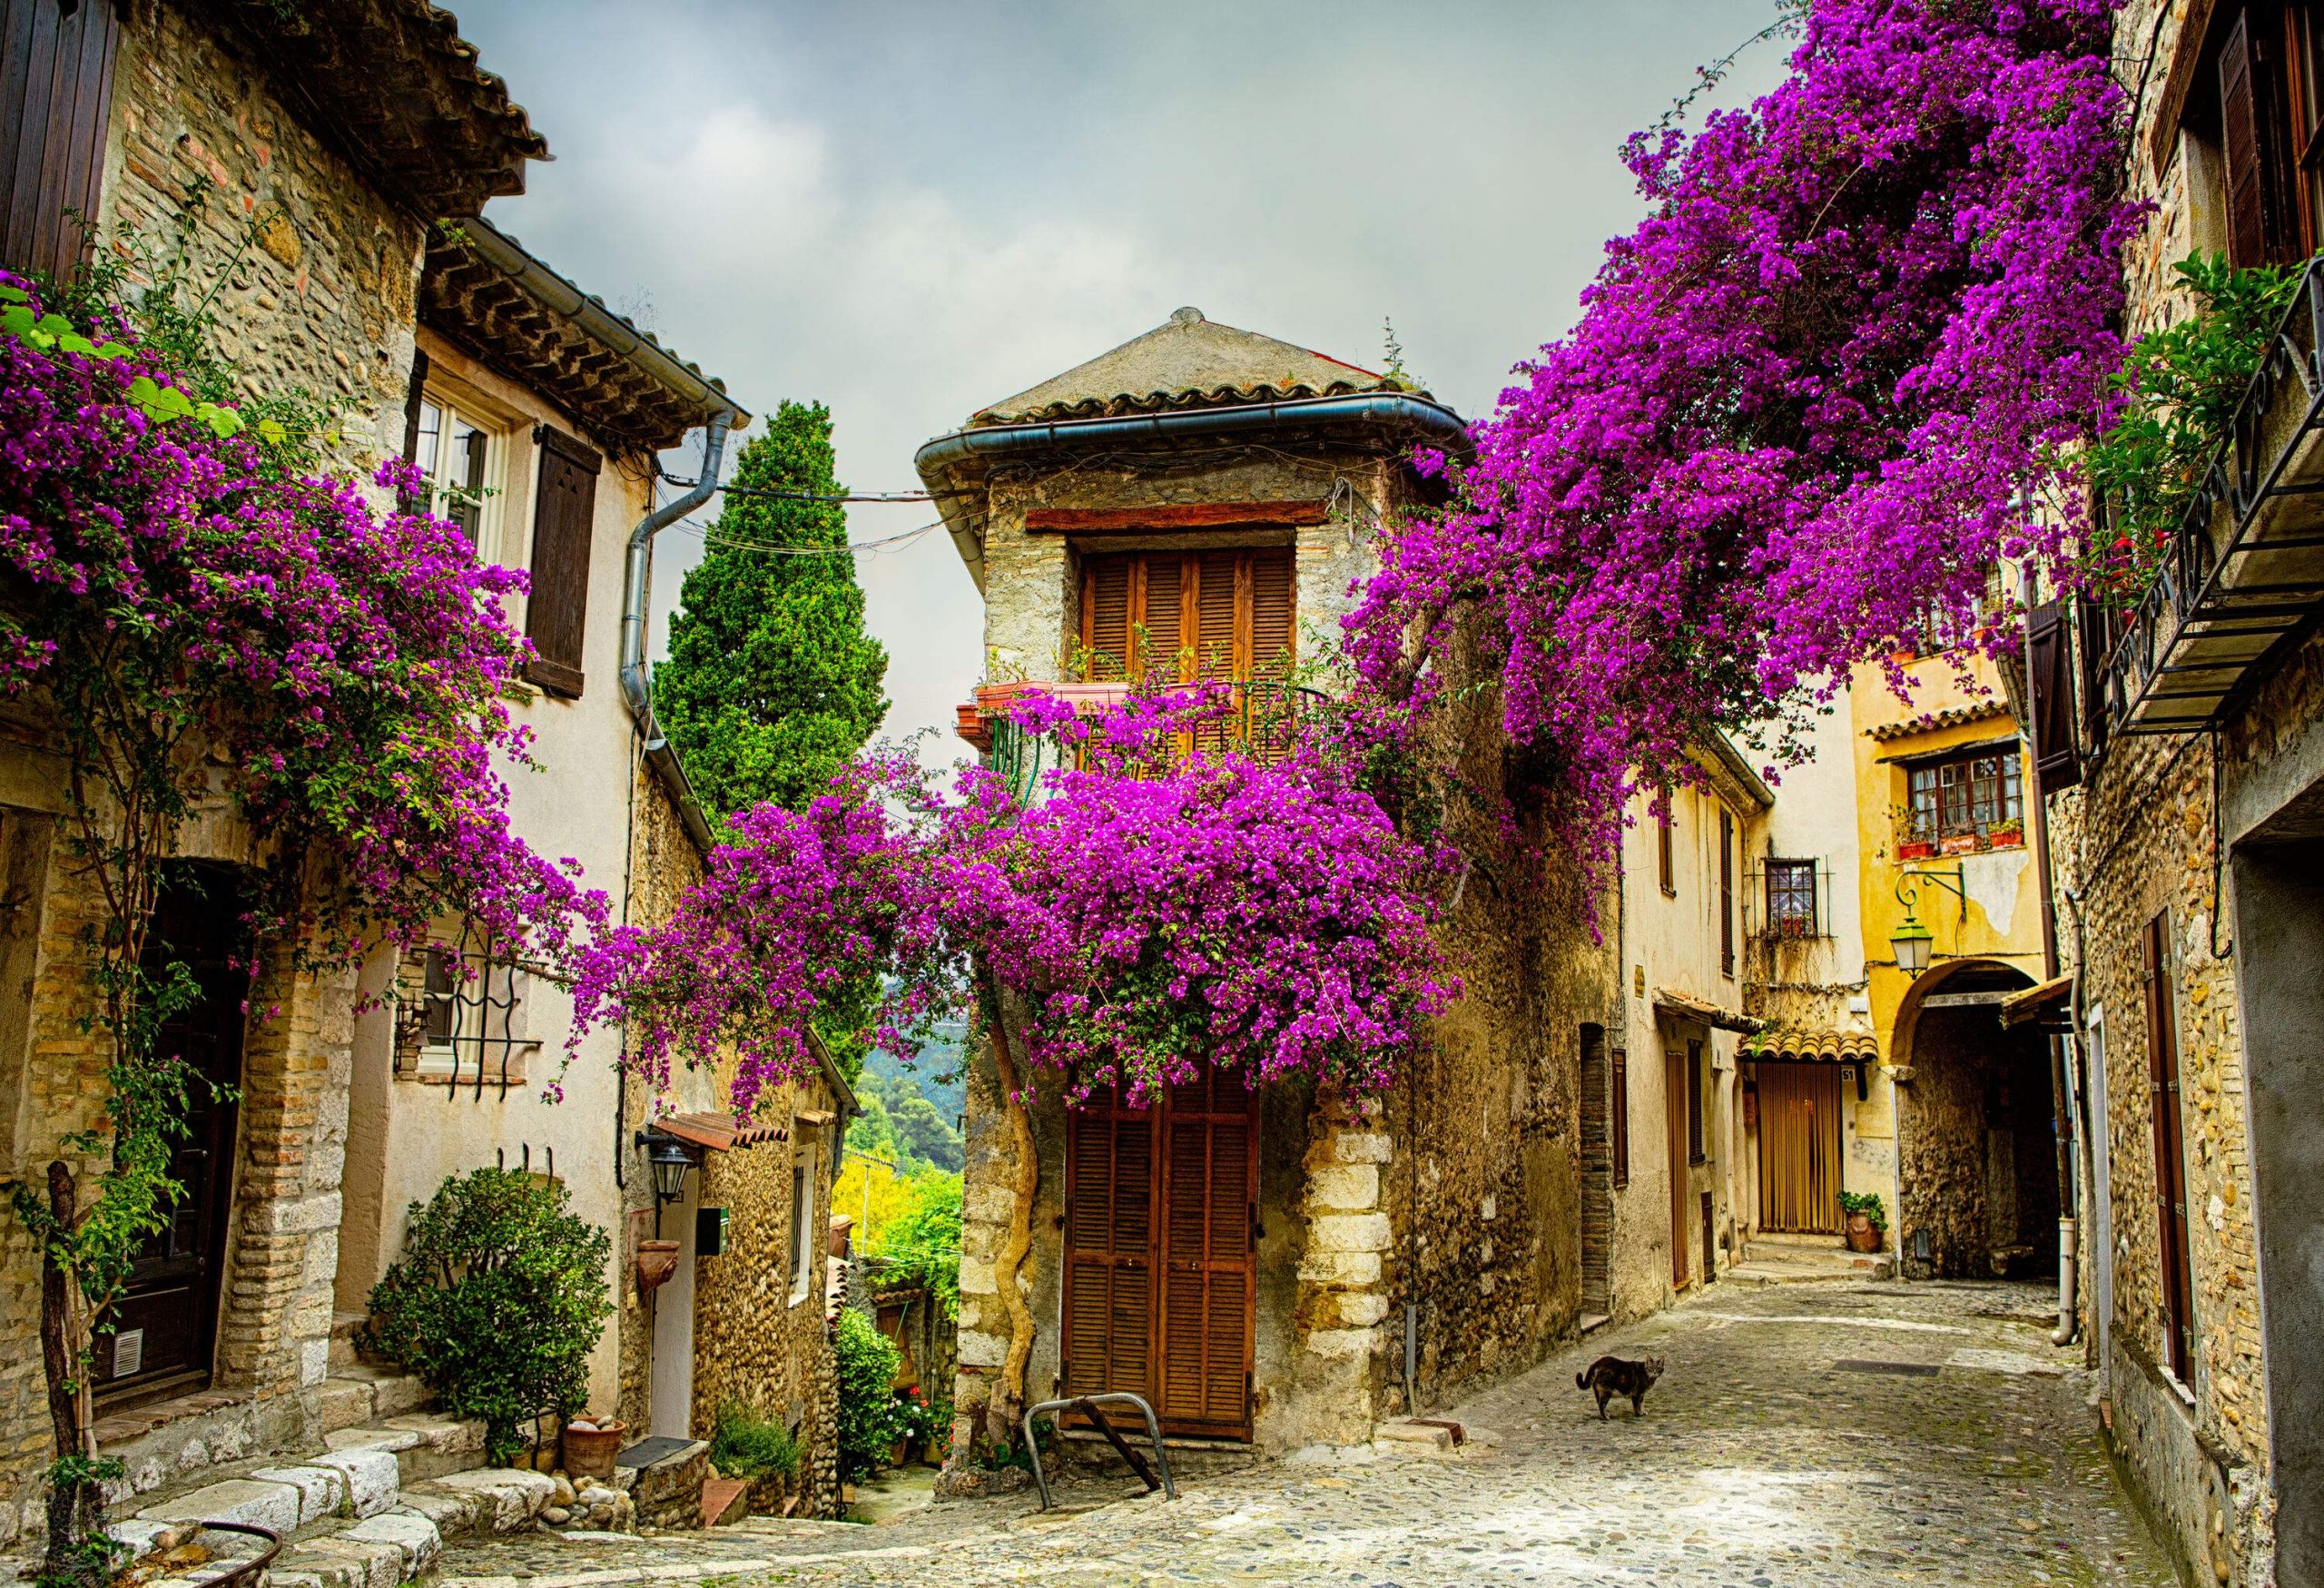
<point>1801,1435</point>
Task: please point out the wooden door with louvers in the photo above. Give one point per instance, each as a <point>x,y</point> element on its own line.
<point>1799,1148</point>
<point>1160,1272</point>
<point>1177,617</point>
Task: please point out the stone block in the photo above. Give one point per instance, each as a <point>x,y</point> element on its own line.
<point>1361,1309</point>
<point>408,1531</point>
<point>344,1403</point>
<point>314,1361</point>
<point>292,1215</point>
<point>1362,1147</point>
<point>1349,1232</point>
<point>510,1496</point>
<point>988,1205</point>
<point>1346,1187</point>
<point>388,1439</point>
<point>977,1278</point>
<point>979,1349</point>
<point>373,1477</point>
<point>455,1514</point>
<point>1342,1343</point>
<point>1339,1267</point>
<point>321,1488</point>
<point>399,1394</point>
<point>344,1564</point>
<point>261,1504</point>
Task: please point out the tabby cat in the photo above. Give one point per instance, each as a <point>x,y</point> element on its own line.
<point>1611,1375</point>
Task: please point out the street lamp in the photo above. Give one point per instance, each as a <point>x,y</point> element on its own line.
<point>670,1160</point>
<point>1913,940</point>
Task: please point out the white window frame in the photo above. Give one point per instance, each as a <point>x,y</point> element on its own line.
<point>804,1252</point>
<point>441,1059</point>
<point>448,409</point>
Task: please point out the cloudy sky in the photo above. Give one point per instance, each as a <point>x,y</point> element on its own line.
<point>910,210</point>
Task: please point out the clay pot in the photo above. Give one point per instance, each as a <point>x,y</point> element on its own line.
<point>656,1262</point>
<point>590,1452</point>
<point>1862,1236</point>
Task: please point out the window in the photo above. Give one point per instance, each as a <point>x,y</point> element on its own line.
<point>803,1264</point>
<point>59,60</point>
<point>1967,801</point>
<point>564,521</point>
<point>1223,614</point>
<point>1791,898</point>
<point>1617,1093</point>
<point>2170,1152</point>
<point>1694,1103</point>
<point>2253,106</point>
<point>1725,892</point>
<point>451,450</point>
<point>1665,866</point>
<point>475,1019</point>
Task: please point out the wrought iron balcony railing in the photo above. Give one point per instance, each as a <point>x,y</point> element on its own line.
<point>2245,568</point>
<point>1262,720</point>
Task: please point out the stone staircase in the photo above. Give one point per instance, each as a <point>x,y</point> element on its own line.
<point>373,1509</point>
<point>1806,1259</point>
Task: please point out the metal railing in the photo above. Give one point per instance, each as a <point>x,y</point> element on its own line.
<point>2245,564</point>
<point>1262,720</point>
<point>1088,1406</point>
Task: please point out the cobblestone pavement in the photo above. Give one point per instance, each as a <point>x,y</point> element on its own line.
<point>1783,1446</point>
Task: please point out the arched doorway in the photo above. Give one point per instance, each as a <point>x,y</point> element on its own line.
<point>1977,1183</point>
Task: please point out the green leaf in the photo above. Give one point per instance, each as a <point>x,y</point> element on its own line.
<point>14,295</point>
<point>17,321</point>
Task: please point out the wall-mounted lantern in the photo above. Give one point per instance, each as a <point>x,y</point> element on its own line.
<point>1913,940</point>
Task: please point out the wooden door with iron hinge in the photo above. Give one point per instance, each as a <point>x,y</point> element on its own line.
<point>1161,1252</point>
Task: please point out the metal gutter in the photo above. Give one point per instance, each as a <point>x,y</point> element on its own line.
<point>936,457</point>
<point>636,678</point>
<point>1731,762</point>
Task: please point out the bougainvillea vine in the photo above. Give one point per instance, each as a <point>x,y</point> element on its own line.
<point>1811,399</point>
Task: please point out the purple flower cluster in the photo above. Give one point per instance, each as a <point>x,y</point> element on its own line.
<point>344,666</point>
<point>1149,913</point>
<point>1810,400</point>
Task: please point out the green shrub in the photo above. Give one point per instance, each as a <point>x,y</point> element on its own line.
<point>869,1420</point>
<point>748,1445</point>
<point>922,1245</point>
<point>496,1301</point>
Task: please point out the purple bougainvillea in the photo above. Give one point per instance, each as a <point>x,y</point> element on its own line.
<point>1811,399</point>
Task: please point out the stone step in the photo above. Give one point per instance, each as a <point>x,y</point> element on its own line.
<point>361,1393</point>
<point>423,1446</point>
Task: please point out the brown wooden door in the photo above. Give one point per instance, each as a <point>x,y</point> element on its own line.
<point>1209,1273</point>
<point>167,1319</point>
<point>1799,1148</point>
<point>1674,1121</point>
<point>1164,1307</point>
<point>2169,1153</point>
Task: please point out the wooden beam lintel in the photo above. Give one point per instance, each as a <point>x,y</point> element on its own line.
<point>1169,516</point>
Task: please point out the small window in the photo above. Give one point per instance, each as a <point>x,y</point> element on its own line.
<point>1791,898</point>
<point>1666,866</point>
<point>1694,1103</point>
<point>1725,892</point>
<point>475,1018</point>
<point>1617,1093</point>
<point>452,450</point>
<point>804,1263</point>
<point>1969,802</point>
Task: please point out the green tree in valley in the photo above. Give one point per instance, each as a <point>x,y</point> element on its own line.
<point>771,682</point>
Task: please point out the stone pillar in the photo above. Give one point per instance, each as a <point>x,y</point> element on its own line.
<point>1344,1346</point>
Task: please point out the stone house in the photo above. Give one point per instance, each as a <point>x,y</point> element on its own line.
<point>1662,1109</point>
<point>325,175</point>
<point>2180,736</point>
<point>225,1341</point>
<point>1359,1258</point>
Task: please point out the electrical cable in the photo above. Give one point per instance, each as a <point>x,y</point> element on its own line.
<point>885,544</point>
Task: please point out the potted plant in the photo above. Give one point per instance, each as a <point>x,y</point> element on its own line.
<point>1867,1221</point>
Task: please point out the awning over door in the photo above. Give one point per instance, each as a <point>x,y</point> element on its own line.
<point>718,1132</point>
<point>2048,1007</point>
<point>1795,1044</point>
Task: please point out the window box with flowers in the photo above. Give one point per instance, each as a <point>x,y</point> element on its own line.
<point>1962,803</point>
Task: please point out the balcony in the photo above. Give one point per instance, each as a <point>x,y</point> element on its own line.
<point>2245,568</point>
<point>1262,720</point>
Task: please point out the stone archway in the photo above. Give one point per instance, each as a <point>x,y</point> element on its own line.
<point>1976,1171</point>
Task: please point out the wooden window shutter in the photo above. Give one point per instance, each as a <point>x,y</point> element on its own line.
<point>1105,615</point>
<point>1216,635</point>
<point>1665,864</point>
<point>2093,642</point>
<point>1209,1273</point>
<point>1273,616</point>
<point>1694,1103</point>
<point>1618,1096</point>
<point>2049,676</point>
<point>2247,224</point>
<point>1725,892</point>
<point>1109,1232</point>
<point>2170,1161</point>
<point>557,615</point>
<point>56,75</point>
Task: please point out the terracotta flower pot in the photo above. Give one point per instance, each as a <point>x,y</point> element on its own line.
<point>656,1262</point>
<point>590,1452</point>
<point>1862,1236</point>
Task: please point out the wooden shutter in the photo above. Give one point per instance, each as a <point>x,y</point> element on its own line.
<point>1694,1103</point>
<point>1109,1173</point>
<point>2093,640</point>
<point>557,615</point>
<point>1674,1140</point>
<point>2048,678</point>
<point>56,70</point>
<point>1618,1095</point>
<point>2170,1160</point>
<point>1273,616</point>
<point>2246,227</point>
<point>1663,863</point>
<point>1209,1271</point>
<point>1725,892</point>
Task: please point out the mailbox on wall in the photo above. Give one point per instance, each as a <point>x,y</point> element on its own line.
<point>709,1232</point>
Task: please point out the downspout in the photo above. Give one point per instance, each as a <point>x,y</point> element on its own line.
<point>2069,1323</point>
<point>636,679</point>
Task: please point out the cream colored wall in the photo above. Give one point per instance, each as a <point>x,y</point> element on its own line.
<point>575,803</point>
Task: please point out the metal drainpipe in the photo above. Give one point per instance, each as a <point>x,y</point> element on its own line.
<point>2068,1324</point>
<point>636,681</point>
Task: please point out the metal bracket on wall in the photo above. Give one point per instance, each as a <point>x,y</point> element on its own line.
<point>1086,1405</point>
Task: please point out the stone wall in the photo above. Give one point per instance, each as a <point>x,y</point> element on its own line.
<point>315,276</point>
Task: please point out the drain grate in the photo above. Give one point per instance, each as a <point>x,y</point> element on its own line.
<point>1902,1369</point>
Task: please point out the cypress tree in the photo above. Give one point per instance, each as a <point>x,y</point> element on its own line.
<point>771,682</point>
